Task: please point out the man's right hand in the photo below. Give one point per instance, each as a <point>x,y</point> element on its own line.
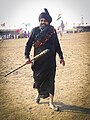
<point>27,61</point>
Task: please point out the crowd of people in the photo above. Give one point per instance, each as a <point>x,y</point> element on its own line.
<point>13,34</point>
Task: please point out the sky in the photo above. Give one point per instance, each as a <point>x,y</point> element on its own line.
<point>16,12</point>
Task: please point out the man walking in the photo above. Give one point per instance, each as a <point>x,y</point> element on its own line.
<point>42,38</point>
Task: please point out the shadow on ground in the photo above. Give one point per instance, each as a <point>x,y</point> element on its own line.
<point>73,108</point>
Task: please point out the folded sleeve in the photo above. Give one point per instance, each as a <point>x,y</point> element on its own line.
<point>29,44</point>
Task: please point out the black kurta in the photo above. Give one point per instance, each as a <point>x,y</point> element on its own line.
<point>44,68</point>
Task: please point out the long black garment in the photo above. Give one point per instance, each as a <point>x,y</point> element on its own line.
<point>44,68</point>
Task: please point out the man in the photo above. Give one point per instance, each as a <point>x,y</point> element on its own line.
<point>44,37</point>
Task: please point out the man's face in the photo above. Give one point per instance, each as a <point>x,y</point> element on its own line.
<point>43,22</point>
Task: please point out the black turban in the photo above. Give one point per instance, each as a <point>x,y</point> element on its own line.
<point>46,16</point>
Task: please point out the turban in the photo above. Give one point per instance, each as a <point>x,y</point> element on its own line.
<point>46,16</point>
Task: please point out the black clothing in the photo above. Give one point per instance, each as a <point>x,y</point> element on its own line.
<point>44,68</point>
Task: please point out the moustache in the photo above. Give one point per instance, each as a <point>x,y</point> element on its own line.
<point>43,24</point>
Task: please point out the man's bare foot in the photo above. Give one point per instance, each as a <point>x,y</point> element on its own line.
<point>37,99</point>
<point>55,108</point>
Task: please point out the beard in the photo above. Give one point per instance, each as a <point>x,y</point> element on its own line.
<point>42,26</point>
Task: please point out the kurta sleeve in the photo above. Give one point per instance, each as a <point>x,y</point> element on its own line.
<point>58,47</point>
<point>29,44</point>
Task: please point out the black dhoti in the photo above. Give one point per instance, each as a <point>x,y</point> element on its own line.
<point>44,70</point>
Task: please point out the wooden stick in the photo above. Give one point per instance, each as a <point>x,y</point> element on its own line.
<point>34,58</point>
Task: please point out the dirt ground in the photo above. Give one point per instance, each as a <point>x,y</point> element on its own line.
<point>72,93</point>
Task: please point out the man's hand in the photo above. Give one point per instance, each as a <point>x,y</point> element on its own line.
<point>62,62</point>
<point>27,61</point>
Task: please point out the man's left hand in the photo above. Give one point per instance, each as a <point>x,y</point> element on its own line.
<point>62,62</point>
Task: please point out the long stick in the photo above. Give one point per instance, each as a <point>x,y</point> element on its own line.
<point>15,69</point>
<point>37,56</point>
